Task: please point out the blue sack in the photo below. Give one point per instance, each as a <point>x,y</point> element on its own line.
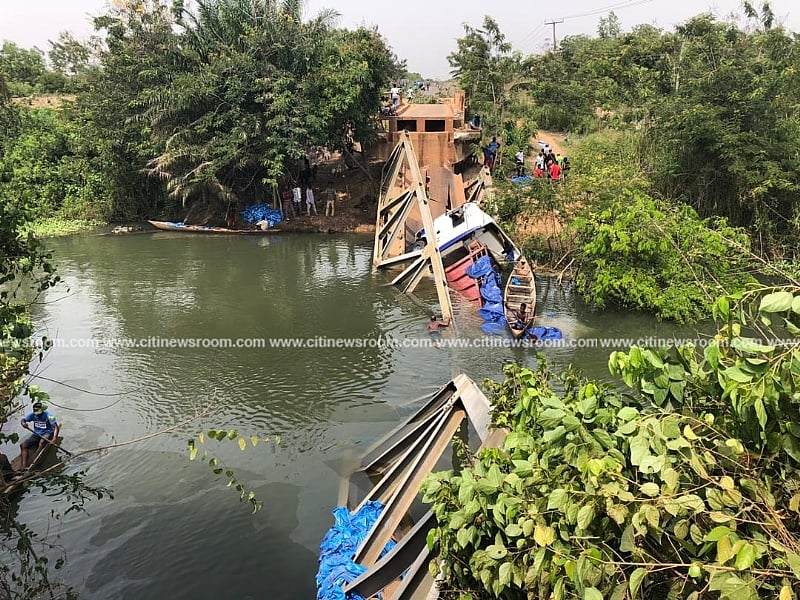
<point>261,212</point>
<point>494,327</point>
<point>338,547</point>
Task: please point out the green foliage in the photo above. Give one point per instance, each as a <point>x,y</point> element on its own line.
<point>687,487</point>
<point>21,67</point>
<point>509,201</point>
<point>636,252</point>
<point>515,135</point>
<point>724,141</point>
<point>56,226</point>
<point>219,468</point>
<point>248,101</point>
<point>46,167</point>
<point>715,104</point>
<point>25,270</point>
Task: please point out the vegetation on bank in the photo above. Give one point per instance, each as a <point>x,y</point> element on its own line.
<point>56,226</point>
<point>680,142</point>
<point>680,479</point>
<point>210,104</point>
<point>685,484</point>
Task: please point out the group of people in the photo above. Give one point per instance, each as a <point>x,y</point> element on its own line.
<point>292,200</point>
<point>548,163</point>
<point>44,431</point>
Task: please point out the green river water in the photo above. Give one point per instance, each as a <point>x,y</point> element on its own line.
<point>174,530</point>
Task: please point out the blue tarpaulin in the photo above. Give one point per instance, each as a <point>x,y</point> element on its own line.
<point>261,212</point>
<point>544,333</point>
<point>490,291</point>
<point>480,268</point>
<point>336,566</point>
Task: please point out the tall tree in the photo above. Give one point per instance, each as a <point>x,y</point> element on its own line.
<point>22,67</point>
<point>68,55</point>
<point>485,68</point>
<point>141,54</point>
<point>259,86</point>
<point>727,137</point>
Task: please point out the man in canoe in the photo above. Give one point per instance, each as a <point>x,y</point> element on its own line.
<point>521,316</point>
<point>45,427</point>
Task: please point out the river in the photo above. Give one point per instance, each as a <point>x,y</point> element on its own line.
<point>174,529</point>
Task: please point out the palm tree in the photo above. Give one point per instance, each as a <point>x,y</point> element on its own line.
<point>235,116</point>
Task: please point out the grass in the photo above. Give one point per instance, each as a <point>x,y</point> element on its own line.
<point>57,226</point>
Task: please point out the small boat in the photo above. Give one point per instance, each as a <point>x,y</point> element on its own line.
<point>170,226</point>
<point>45,458</point>
<point>520,289</point>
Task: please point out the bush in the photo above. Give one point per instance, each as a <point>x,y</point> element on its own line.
<point>636,252</point>
<point>688,487</point>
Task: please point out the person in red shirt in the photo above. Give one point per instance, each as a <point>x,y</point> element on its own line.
<point>537,172</point>
<point>555,171</point>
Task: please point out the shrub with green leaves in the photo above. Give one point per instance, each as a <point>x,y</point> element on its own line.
<point>685,486</point>
<point>638,253</point>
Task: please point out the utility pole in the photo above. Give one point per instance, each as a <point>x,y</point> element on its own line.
<point>554,23</point>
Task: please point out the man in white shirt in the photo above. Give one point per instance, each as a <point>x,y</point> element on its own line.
<point>297,198</point>
<point>519,160</point>
<point>310,202</point>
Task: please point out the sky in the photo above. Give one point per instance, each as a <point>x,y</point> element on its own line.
<point>421,31</point>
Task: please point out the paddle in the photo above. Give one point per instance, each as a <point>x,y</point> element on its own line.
<point>52,443</point>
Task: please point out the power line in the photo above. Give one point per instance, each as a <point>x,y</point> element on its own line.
<point>531,36</point>
<point>595,11</point>
<point>617,6</point>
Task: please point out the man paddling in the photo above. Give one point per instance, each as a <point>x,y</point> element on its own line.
<point>45,427</point>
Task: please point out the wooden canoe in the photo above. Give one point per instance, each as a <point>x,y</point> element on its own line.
<point>520,289</point>
<point>45,457</point>
<point>167,226</point>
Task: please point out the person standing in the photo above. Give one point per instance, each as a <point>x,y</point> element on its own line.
<point>519,159</point>
<point>395,96</point>
<point>45,427</point>
<point>330,201</point>
<point>554,171</point>
<point>297,198</point>
<point>540,161</point>
<point>494,148</point>
<point>310,202</point>
<point>288,205</point>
